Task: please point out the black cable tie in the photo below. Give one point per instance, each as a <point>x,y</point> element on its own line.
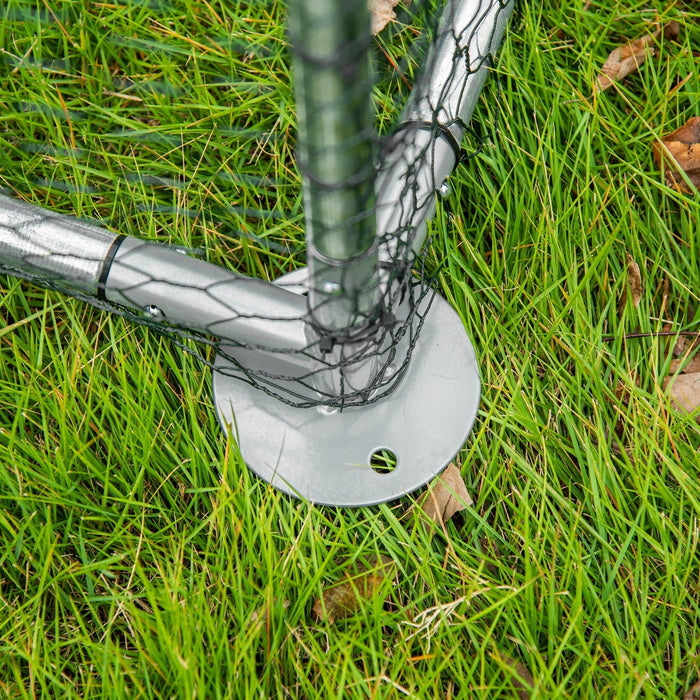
<point>437,128</point>
<point>106,266</point>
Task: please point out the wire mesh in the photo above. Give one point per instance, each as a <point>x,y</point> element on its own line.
<point>217,171</point>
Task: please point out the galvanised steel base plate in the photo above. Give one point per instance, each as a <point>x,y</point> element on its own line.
<point>325,457</point>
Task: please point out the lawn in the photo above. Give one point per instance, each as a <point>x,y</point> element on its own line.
<point>138,555</point>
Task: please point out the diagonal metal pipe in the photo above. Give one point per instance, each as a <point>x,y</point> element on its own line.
<point>424,149</point>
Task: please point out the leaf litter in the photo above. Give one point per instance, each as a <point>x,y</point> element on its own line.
<point>683,384</point>
<point>678,153</point>
<point>633,289</point>
<point>627,58</point>
<point>349,596</point>
<point>684,391</point>
<point>446,496</point>
<point>381,13</point>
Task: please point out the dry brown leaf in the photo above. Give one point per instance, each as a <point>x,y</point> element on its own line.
<point>681,152</point>
<point>687,345</point>
<point>381,13</point>
<point>624,60</point>
<point>521,677</point>
<point>346,598</point>
<point>634,279</point>
<point>627,58</point>
<point>446,495</point>
<point>690,368</point>
<point>684,391</point>
<point>686,353</point>
<point>693,693</point>
<point>634,285</point>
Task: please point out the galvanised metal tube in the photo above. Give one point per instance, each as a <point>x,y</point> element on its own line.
<point>423,151</point>
<point>197,295</point>
<point>150,278</point>
<point>39,242</point>
<point>469,33</point>
<point>333,80</point>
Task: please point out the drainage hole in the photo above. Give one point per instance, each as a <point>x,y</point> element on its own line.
<point>383,461</point>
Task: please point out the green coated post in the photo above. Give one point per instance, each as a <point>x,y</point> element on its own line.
<point>333,80</point>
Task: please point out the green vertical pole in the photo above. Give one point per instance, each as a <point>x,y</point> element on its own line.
<point>333,83</point>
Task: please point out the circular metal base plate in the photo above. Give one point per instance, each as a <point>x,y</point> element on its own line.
<point>325,457</point>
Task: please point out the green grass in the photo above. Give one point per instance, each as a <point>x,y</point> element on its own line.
<point>138,555</point>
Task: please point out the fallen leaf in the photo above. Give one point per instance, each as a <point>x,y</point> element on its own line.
<point>347,597</point>
<point>381,13</point>
<point>687,344</point>
<point>671,31</point>
<point>624,60</point>
<point>627,58</point>
<point>686,353</point>
<point>693,693</point>
<point>680,152</point>
<point>521,677</point>
<point>684,391</point>
<point>691,368</point>
<point>634,282</point>
<point>446,495</point>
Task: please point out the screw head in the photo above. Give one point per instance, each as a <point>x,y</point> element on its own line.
<point>154,312</point>
<point>327,410</point>
<point>330,287</point>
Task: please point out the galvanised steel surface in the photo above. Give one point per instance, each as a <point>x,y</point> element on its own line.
<point>420,156</point>
<point>150,278</point>
<point>198,295</point>
<point>325,456</point>
<point>315,453</point>
<point>35,241</point>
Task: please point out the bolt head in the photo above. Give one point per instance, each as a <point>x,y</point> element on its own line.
<point>154,312</point>
<point>327,410</point>
<point>330,287</point>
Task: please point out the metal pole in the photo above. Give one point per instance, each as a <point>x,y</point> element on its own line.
<point>155,280</point>
<point>333,79</point>
<point>424,149</point>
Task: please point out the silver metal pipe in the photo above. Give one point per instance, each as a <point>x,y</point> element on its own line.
<point>423,151</point>
<point>152,279</point>
<point>194,294</point>
<point>469,33</point>
<point>38,242</point>
<point>417,163</point>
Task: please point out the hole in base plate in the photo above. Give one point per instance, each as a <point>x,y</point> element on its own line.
<point>383,461</point>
